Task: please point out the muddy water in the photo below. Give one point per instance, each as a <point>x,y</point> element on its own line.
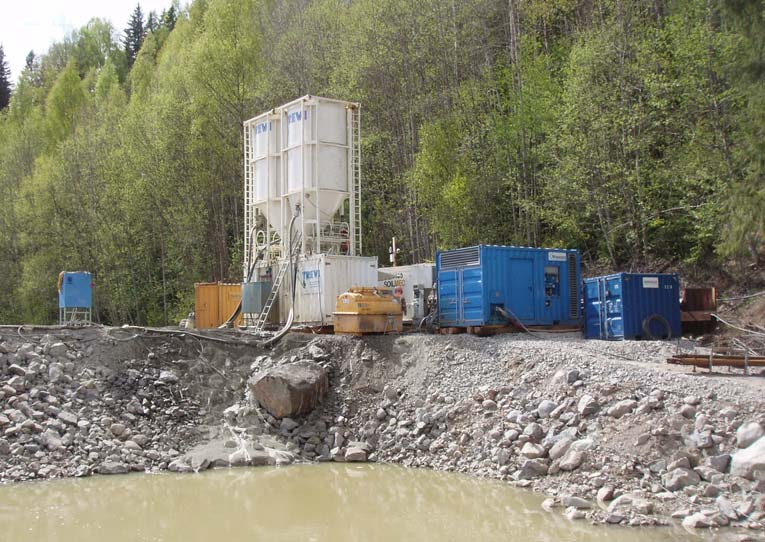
<point>335,503</point>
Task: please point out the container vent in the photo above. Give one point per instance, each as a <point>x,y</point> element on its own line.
<point>461,258</point>
<point>573,298</point>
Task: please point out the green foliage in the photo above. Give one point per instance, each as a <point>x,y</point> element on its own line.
<point>5,81</point>
<point>633,131</point>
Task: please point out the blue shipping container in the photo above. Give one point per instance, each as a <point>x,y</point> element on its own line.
<point>75,290</point>
<point>632,306</point>
<point>537,286</point>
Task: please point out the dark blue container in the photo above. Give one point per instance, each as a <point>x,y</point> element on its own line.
<point>537,286</point>
<point>632,306</point>
<point>75,290</point>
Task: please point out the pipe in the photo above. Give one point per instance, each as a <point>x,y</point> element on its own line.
<point>282,332</point>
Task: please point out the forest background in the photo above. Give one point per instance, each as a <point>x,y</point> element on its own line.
<point>632,130</point>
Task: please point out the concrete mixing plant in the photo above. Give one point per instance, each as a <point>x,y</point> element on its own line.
<point>302,209</point>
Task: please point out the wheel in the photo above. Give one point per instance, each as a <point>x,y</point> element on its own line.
<point>661,321</point>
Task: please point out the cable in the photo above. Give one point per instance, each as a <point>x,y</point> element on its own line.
<point>749,331</point>
<point>740,297</point>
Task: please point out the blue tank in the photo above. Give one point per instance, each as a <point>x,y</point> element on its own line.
<point>75,290</point>
<point>484,284</point>
<point>632,306</point>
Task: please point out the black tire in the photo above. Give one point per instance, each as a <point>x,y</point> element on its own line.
<point>648,334</point>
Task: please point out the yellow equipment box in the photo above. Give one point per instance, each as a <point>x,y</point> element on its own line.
<point>368,310</point>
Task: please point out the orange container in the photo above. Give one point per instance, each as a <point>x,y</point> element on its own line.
<point>215,302</point>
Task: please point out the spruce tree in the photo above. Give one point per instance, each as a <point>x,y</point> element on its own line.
<point>134,34</point>
<point>5,81</point>
<point>168,18</point>
<point>152,24</point>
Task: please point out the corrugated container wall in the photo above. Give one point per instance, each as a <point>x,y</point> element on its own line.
<point>320,279</point>
<point>537,286</point>
<point>215,302</point>
<point>632,306</point>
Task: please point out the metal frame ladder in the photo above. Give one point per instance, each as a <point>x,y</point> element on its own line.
<point>356,173</point>
<point>283,266</point>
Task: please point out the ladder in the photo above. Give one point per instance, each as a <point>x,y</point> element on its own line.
<point>356,173</point>
<point>260,323</point>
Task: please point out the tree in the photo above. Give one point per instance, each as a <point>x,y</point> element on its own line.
<point>30,60</point>
<point>168,17</point>
<point>152,23</point>
<point>134,35</point>
<point>5,81</point>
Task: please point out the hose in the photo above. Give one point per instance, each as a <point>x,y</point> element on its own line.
<point>656,318</point>
<point>290,317</point>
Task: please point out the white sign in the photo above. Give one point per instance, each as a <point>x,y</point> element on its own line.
<point>556,256</point>
<point>650,282</point>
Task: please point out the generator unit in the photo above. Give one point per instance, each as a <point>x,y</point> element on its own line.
<point>632,306</point>
<point>482,285</point>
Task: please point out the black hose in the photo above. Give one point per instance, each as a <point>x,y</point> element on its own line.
<point>660,319</point>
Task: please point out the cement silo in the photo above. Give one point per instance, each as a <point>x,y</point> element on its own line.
<point>303,159</point>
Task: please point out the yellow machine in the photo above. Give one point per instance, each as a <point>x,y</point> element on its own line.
<point>368,310</point>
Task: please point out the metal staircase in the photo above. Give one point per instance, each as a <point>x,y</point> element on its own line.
<point>283,266</point>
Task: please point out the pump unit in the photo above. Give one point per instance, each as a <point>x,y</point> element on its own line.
<point>534,286</point>
<point>75,297</point>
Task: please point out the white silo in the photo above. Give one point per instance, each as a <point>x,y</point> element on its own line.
<point>304,159</point>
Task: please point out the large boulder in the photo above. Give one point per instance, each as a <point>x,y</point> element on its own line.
<point>748,433</point>
<point>290,390</point>
<point>746,462</point>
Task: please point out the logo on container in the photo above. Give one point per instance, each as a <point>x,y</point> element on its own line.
<point>297,116</point>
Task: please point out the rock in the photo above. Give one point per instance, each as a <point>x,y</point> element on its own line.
<point>168,377</point>
<point>5,448</point>
<point>750,460</point>
<point>626,504</point>
<point>180,465</point>
<point>355,455</point>
<point>605,493</point>
<point>687,411</point>
<point>560,448</point>
<point>390,393</point>
<point>545,408</point>
<point>290,390</point>
<point>621,408</point>
<point>532,450</point>
<point>488,404</point>
<point>113,467</point>
<point>51,440</point>
<point>534,431</point>
<point>680,478</point>
<point>381,414</point>
<point>572,460</point>
<point>57,350</point>
<point>17,370</point>
<point>67,417</point>
<point>748,433</point>
<point>587,406</point>
<point>531,468</point>
<point>576,502</point>
<point>696,521</point>
<point>117,429</point>
<point>132,446</point>
<point>288,424</point>
<point>55,372</point>
<point>573,513</point>
<point>719,462</point>
<point>4,420</point>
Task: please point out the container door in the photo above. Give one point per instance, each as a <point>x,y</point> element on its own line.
<point>521,301</point>
<point>471,286</point>
<point>593,308</point>
<point>613,313</point>
<point>449,308</point>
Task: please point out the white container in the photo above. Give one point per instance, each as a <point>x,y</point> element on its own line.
<point>410,282</point>
<point>320,279</point>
